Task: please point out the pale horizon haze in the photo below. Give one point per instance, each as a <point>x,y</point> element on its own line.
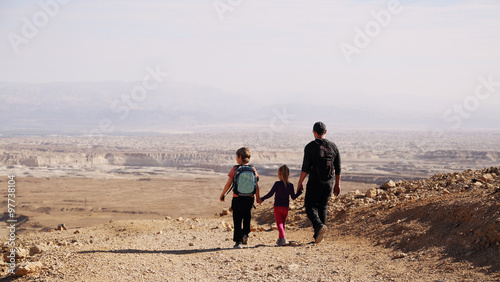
<point>420,57</point>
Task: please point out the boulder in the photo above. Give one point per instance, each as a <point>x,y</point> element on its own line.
<point>36,249</point>
<point>225,212</point>
<point>371,193</point>
<point>392,190</point>
<point>226,226</point>
<point>20,253</point>
<point>358,194</point>
<point>477,185</point>
<point>487,177</point>
<point>27,267</point>
<point>349,196</point>
<point>389,184</point>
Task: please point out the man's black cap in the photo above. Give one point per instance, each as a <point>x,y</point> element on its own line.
<point>319,127</point>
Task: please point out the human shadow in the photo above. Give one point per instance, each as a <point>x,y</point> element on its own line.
<point>170,252</point>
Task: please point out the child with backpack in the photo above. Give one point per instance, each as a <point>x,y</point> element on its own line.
<point>243,180</point>
<point>283,190</point>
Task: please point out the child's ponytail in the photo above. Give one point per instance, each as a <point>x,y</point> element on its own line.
<point>284,172</point>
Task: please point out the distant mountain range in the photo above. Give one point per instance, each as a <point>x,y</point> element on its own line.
<point>112,107</point>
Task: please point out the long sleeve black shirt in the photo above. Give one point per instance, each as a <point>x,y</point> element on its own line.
<point>311,155</point>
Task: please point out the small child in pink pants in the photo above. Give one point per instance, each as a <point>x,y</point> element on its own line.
<point>283,190</point>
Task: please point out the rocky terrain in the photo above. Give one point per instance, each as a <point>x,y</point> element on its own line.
<point>368,156</point>
<point>444,228</point>
<point>127,203</point>
<point>455,215</point>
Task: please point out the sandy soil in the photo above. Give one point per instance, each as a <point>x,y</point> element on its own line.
<point>201,250</point>
<point>44,203</point>
<point>145,209</point>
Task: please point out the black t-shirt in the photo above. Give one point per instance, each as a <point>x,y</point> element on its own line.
<point>311,156</point>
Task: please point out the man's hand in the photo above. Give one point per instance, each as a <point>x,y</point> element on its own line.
<point>259,200</point>
<point>336,189</point>
<point>222,198</point>
<point>301,179</point>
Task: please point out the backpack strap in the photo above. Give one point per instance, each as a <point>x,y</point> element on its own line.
<point>232,185</point>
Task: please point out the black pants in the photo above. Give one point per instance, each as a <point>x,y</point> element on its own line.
<point>318,194</point>
<point>242,213</point>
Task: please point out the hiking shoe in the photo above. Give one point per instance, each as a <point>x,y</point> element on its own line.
<point>316,231</point>
<point>320,234</point>
<point>244,240</point>
<point>238,246</point>
<point>282,242</point>
<point>285,242</point>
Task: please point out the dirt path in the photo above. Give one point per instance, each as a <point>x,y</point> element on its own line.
<point>201,250</point>
<point>445,228</point>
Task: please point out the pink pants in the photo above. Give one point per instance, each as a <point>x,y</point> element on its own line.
<point>280,214</point>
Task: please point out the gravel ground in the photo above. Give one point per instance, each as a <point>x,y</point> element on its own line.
<point>201,250</point>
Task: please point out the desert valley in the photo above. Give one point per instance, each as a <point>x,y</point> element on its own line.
<point>166,188</point>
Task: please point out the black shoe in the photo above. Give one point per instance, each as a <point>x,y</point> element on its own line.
<point>320,234</point>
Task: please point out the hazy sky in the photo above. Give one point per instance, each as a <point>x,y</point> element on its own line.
<point>412,49</point>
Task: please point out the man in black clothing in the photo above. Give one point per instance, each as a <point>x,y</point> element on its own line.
<point>321,162</point>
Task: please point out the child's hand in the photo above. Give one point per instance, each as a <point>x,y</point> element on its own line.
<point>300,188</point>
<point>222,198</point>
<point>259,201</point>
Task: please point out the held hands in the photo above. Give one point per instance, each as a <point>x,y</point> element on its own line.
<point>300,188</point>
<point>259,201</point>
<point>222,198</point>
